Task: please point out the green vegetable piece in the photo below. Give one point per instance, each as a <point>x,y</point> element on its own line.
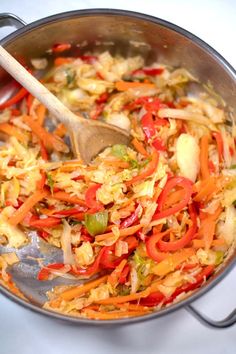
<point>219,257</point>
<point>96,223</point>
<point>119,150</point>
<point>50,182</point>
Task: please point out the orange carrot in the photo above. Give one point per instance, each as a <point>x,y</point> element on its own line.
<point>123,232</point>
<point>66,197</point>
<point>41,112</point>
<point>207,228</point>
<point>60,130</point>
<point>174,198</point>
<point>204,189</point>
<point>126,85</point>
<point>204,168</point>
<point>170,263</point>
<point>148,171</point>
<point>117,163</point>
<point>62,60</point>
<point>114,276</point>
<point>133,307</point>
<point>77,291</point>
<point>215,243</point>
<point>95,315</point>
<point>49,140</point>
<point>125,298</point>
<point>9,129</point>
<point>139,147</point>
<point>20,213</point>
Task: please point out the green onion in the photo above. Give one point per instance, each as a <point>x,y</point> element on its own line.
<point>119,150</point>
<point>96,223</point>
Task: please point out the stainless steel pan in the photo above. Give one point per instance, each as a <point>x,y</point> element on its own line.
<point>126,33</point>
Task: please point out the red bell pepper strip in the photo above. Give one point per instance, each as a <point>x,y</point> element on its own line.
<point>15,99</point>
<point>148,71</point>
<point>220,144</point>
<point>102,98</point>
<point>157,297</point>
<point>90,59</point>
<point>60,47</point>
<point>148,125</point>
<point>44,234</point>
<point>90,197</point>
<point>185,239</point>
<point>131,219</point>
<point>151,246</point>
<point>94,114</point>
<point>68,212</point>
<point>159,145</point>
<point>172,183</point>
<point>151,168</point>
<point>45,271</point>
<point>41,223</point>
<point>93,268</point>
<point>124,274</point>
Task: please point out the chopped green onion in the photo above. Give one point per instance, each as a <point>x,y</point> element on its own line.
<point>50,182</point>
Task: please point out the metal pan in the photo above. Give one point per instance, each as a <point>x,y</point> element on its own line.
<point>126,33</point>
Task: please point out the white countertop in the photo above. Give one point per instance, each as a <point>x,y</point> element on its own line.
<point>22,331</point>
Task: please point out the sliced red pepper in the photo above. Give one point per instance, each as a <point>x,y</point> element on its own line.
<point>185,239</point>
<point>90,59</point>
<point>132,243</point>
<point>103,97</point>
<point>153,299</point>
<point>14,99</point>
<point>161,122</point>
<point>172,183</point>
<point>159,145</point>
<point>151,245</point>
<point>90,197</point>
<point>60,47</point>
<point>48,222</point>
<point>44,234</point>
<point>124,274</point>
<point>148,125</point>
<point>68,212</point>
<point>220,144</point>
<point>148,71</point>
<point>45,272</point>
<point>94,114</point>
<point>131,219</point>
<point>93,268</point>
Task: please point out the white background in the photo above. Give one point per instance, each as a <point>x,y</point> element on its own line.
<point>24,332</point>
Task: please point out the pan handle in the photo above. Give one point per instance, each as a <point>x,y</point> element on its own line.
<point>228,321</point>
<point>8,19</point>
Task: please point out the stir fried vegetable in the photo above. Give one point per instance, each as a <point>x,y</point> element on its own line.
<point>143,224</point>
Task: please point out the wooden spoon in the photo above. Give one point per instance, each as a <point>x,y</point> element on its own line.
<point>88,137</point>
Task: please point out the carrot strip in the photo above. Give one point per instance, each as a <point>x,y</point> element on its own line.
<point>112,315</point>
<point>50,141</point>
<point>170,263</point>
<point>61,61</point>
<point>139,147</point>
<point>9,129</point>
<point>114,276</point>
<point>14,99</point>
<point>174,198</point>
<point>123,232</point>
<point>66,197</point>
<point>20,213</point>
<point>82,289</point>
<point>117,163</point>
<point>204,189</point>
<point>133,307</point>
<point>126,298</point>
<point>41,112</point>
<point>215,243</point>
<point>204,168</point>
<point>126,85</point>
<point>149,170</point>
<point>60,130</point>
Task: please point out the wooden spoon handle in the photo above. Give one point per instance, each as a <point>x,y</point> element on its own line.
<point>16,70</point>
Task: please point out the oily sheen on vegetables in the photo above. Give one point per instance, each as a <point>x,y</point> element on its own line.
<point>143,225</point>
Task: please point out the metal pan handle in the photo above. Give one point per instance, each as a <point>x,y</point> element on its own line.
<point>11,20</point>
<point>228,321</point>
